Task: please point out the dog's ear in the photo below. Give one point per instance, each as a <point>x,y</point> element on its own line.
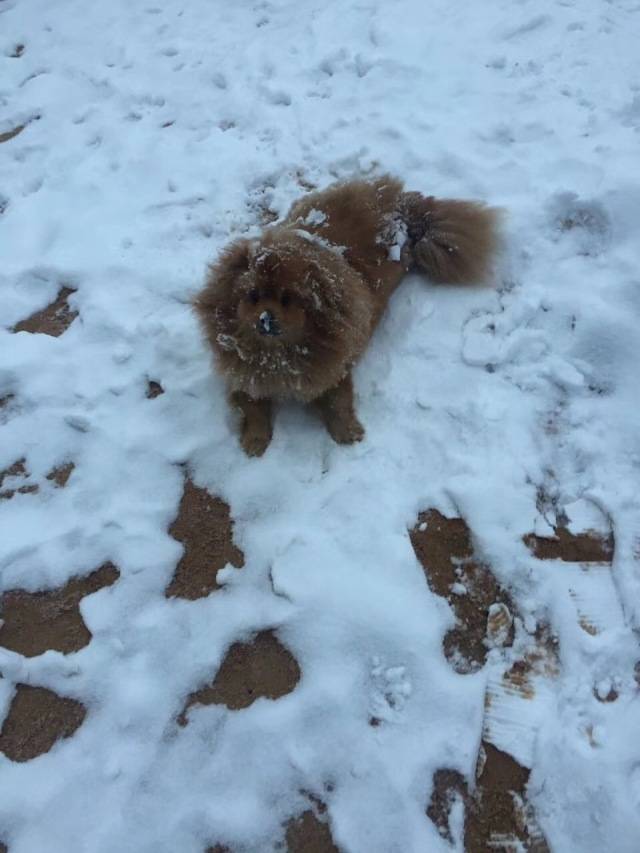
<point>216,295</point>
<point>233,260</point>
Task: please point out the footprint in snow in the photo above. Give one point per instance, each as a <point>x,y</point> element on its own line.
<point>584,222</point>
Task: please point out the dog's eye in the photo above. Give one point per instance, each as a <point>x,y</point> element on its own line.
<point>285,298</point>
<point>253,296</point>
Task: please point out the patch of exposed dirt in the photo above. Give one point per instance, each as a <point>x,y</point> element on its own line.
<point>496,814</point>
<point>319,807</point>
<point>204,527</point>
<point>30,489</point>
<point>52,320</point>
<point>36,621</point>
<point>249,671</point>
<point>587,626</point>
<point>448,785</point>
<point>37,719</point>
<point>4,401</point>
<point>18,469</point>
<point>482,607</point>
<point>10,134</point>
<point>17,51</point>
<point>587,547</point>
<point>60,475</point>
<point>611,696</point>
<point>154,389</point>
<point>218,848</point>
<point>308,834</point>
<point>543,659</point>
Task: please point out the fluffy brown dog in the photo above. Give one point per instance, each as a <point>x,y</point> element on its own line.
<point>288,314</point>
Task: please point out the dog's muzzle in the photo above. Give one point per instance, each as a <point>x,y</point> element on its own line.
<point>267,324</point>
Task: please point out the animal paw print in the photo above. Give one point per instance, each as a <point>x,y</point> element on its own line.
<point>584,222</point>
<point>391,689</point>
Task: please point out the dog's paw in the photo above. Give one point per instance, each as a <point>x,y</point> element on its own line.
<point>344,431</point>
<point>255,441</point>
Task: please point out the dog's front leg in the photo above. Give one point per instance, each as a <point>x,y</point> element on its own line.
<point>255,427</point>
<point>337,409</point>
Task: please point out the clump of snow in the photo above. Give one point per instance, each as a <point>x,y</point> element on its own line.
<point>499,622</point>
<point>315,217</point>
<point>320,241</point>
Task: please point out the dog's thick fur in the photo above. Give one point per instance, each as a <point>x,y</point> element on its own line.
<point>318,283</point>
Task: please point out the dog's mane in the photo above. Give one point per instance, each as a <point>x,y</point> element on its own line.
<point>336,304</point>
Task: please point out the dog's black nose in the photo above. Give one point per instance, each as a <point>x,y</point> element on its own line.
<point>267,324</point>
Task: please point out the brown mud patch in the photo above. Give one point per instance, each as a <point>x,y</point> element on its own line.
<point>249,671</point>
<point>10,134</point>
<point>308,834</point>
<point>52,320</point>
<point>204,527</point>
<point>543,659</point>
<point>482,607</point>
<point>18,469</point>
<point>497,816</point>
<point>448,786</point>
<point>60,474</point>
<point>4,401</point>
<point>154,389</point>
<point>587,547</point>
<point>34,622</point>
<point>611,696</point>
<point>37,719</point>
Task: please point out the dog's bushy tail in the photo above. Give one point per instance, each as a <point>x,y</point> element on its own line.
<point>452,241</point>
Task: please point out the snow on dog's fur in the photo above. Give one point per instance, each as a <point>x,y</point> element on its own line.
<point>289,314</point>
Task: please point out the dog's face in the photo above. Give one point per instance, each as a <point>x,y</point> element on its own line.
<point>284,316</point>
<point>272,306</point>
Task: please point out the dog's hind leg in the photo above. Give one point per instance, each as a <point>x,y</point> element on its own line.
<point>255,429</point>
<point>452,241</point>
<point>337,409</point>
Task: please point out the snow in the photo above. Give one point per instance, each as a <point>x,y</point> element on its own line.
<point>156,133</point>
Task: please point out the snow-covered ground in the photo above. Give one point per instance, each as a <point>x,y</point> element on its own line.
<point>154,132</point>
